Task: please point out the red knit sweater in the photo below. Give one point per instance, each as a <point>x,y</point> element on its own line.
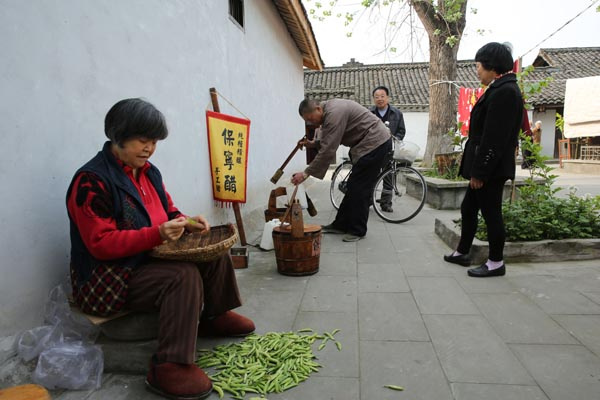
<point>102,237</point>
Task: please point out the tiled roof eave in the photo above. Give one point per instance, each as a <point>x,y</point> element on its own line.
<point>294,16</point>
<point>409,82</point>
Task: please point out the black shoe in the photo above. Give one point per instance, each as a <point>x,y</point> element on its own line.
<point>351,238</point>
<point>463,260</point>
<point>483,272</point>
<point>331,229</point>
<point>387,208</point>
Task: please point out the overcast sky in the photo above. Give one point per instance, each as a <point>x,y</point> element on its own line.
<point>523,23</point>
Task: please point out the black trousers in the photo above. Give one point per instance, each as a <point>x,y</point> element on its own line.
<point>527,159</point>
<point>388,183</point>
<point>353,214</point>
<point>488,199</point>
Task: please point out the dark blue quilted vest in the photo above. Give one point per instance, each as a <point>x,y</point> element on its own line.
<point>127,210</point>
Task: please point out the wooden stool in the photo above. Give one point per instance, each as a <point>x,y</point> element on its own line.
<point>25,392</point>
<point>94,319</point>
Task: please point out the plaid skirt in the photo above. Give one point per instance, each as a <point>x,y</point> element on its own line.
<point>104,293</point>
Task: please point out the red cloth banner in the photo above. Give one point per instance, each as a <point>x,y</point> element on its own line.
<point>467,98</point>
<point>517,66</point>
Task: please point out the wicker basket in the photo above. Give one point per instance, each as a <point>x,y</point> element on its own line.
<point>197,247</point>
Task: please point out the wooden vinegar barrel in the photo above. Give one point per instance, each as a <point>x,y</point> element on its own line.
<point>297,256</point>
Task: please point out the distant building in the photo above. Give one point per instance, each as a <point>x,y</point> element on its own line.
<point>409,87</point>
<point>561,64</point>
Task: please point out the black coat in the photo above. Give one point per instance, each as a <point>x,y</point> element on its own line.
<point>493,132</point>
<point>396,120</point>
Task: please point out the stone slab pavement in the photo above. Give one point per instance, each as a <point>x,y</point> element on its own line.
<point>408,318</point>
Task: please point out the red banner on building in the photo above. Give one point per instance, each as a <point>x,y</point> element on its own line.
<point>467,98</point>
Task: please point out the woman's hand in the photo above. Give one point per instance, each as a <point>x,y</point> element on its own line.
<point>299,177</point>
<point>476,183</point>
<point>201,225</point>
<point>172,229</point>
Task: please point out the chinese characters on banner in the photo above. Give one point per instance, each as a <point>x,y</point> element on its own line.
<point>228,148</point>
<point>467,98</point>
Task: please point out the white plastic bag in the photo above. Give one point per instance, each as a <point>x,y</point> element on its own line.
<point>73,366</point>
<point>32,342</point>
<point>73,327</point>
<point>405,151</point>
<point>266,243</point>
<point>68,359</point>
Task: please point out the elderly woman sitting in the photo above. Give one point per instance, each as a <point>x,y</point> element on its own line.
<point>119,209</point>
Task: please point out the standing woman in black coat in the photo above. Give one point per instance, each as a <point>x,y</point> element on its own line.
<point>489,157</point>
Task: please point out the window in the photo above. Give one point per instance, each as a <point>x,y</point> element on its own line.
<point>236,11</point>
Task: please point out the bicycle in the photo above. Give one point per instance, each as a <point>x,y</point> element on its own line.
<point>398,180</point>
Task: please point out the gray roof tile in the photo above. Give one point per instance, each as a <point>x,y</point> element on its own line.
<point>408,82</point>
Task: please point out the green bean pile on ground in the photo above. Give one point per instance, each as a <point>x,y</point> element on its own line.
<point>262,364</point>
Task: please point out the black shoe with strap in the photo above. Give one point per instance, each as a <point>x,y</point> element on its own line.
<point>483,272</point>
<point>462,259</point>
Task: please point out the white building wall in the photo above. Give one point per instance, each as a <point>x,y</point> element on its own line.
<point>548,141</point>
<point>417,124</point>
<point>65,63</point>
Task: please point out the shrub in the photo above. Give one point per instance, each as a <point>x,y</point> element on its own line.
<point>539,214</point>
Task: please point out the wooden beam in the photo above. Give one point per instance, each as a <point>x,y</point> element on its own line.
<point>235,205</point>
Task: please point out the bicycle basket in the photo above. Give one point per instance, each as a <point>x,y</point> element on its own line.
<point>405,151</point>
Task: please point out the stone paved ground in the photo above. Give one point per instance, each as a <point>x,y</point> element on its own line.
<point>410,319</point>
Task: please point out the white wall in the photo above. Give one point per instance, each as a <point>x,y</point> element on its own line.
<point>548,141</point>
<point>66,62</point>
<point>417,124</point>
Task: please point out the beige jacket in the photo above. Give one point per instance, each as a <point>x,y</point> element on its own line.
<point>537,135</point>
<point>346,122</point>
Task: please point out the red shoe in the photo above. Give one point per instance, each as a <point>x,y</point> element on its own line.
<point>178,381</point>
<point>226,324</point>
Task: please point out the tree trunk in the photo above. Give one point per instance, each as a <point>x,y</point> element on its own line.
<point>443,93</point>
<point>443,97</point>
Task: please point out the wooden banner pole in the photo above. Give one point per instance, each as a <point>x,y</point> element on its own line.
<point>236,206</point>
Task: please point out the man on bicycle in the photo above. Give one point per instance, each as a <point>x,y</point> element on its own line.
<point>347,122</point>
<point>394,120</point>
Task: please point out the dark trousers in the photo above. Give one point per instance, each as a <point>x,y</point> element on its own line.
<point>527,159</point>
<point>488,199</point>
<point>388,183</point>
<point>179,291</point>
<point>353,214</point>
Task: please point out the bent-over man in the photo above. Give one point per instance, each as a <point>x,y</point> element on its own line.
<point>347,122</point>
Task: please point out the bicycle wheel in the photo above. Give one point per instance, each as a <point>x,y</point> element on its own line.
<point>339,179</point>
<point>399,194</point>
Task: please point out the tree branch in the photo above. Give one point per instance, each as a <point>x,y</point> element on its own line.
<point>427,14</point>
